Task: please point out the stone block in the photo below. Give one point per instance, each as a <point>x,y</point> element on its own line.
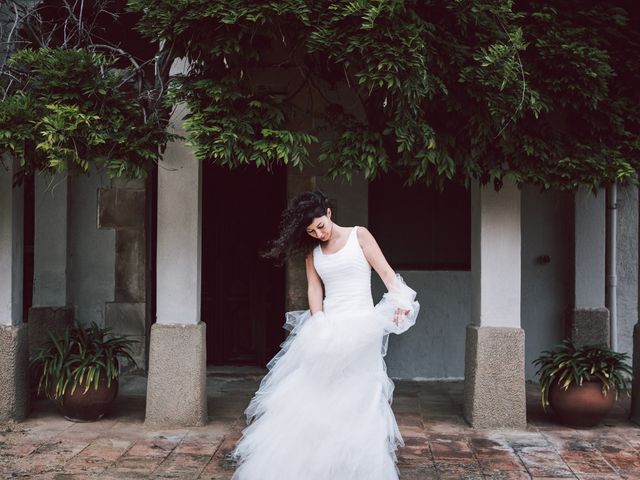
<point>121,208</point>
<point>494,386</point>
<point>130,268</point>
<point>14,372</point>
<point>45,320</point>
<point>590,326</point>
<point>176,387</point>
<point>126,318</point>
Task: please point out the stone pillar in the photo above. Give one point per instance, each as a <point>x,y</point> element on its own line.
<point>50,311</point>
<point>590,318</point>
<point>627,293</point>
<point>176,391</point>
<point>494,355</point>
<point>14,355</point>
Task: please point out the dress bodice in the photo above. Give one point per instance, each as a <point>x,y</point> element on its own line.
<point>346,275</point>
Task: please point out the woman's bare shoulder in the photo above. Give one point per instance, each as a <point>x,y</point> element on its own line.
<point>364,235</point>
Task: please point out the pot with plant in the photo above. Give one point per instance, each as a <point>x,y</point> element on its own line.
<point>79,368</point>
<point>582,383</point>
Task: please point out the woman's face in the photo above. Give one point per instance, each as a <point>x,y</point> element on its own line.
<point>321,227</point>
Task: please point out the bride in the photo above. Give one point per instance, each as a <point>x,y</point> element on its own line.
<point>323,410</point>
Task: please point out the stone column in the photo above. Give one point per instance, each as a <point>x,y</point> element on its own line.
<point>494,356</point>
<point>176,391</point>
<point>627,209</point>
<point>50,311</point>
<point>14,354</point>
<point>590,318</point>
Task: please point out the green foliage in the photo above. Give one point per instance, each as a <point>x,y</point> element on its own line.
<point>434,89</point>
<point>67,109</point>
<point>568,365</point>
<point>582,63</point>
<point>78,357</point>
<point>232,127</point>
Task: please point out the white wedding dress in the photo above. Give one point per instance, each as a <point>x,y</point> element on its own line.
<point>323,410</point>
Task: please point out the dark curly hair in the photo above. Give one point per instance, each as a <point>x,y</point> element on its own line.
<point>293,239</point>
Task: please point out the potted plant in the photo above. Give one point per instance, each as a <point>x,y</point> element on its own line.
<point>581,383</point>
<point>79,368</point>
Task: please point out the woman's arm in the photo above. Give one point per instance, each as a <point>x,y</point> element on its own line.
<point>375,257</point>
<point>314,286</point>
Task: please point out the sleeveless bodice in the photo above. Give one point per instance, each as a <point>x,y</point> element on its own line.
<point>346,275</point>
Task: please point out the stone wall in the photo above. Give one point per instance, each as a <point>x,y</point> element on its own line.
<point>122,209</point>
<point>627,266</point>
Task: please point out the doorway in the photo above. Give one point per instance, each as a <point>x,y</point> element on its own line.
<point>243,295</point>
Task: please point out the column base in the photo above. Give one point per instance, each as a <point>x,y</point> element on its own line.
<point>176,388</point>
<point>635,390</point>
<point>494,386</point>
<point>14,372</point>
<point>590,326</point>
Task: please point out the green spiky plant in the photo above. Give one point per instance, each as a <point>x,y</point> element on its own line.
<point>568,365</point>
<point>79,357</point>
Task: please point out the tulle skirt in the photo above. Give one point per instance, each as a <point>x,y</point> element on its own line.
<point>323,410</point>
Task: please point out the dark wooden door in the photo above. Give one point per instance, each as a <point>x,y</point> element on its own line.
<point>243,295</point>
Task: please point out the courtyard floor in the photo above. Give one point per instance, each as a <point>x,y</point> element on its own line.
<point>439,443</point>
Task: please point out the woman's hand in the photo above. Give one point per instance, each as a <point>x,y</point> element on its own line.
<point>400,312</point>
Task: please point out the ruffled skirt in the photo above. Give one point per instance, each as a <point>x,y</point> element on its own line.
<point>323,410</point>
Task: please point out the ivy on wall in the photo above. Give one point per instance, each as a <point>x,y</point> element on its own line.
<point>447,89</point>
<point>69,108</point>
<point>78,92</point>
<point>436,90</point>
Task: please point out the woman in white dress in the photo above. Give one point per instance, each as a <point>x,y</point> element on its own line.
<point>323,410</point>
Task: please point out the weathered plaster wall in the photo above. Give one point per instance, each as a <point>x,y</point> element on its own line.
<point>627,266</point>
<point>91,251</point>
<point>50,281</point>
<point>590,239</point>
<point>546,287</point>
<point>434,346</point>
<point>121,208</point>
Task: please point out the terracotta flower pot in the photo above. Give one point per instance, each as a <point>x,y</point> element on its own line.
<point>581,406</point>
<point>92,405</point>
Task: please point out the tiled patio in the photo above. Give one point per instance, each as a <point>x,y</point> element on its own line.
<point>440,445</point>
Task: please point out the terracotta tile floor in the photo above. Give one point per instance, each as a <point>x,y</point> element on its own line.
<point>439,443</point>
